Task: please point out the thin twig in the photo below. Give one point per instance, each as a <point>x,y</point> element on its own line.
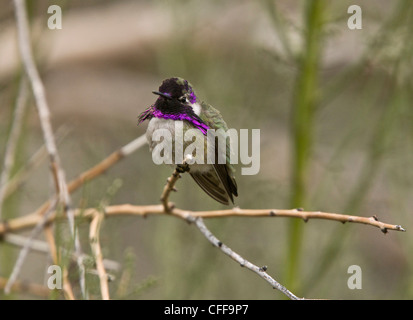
<point>261,271</point>
<point>170,185</point>
<point>67,287</point>
<point>23,253</point>
<point>199,222</point>
<point>106,163</point>
<point>20,241</point>
<point>97,252</point>
<point>15,130</point>
<point>43,247</point>
<point>48,136</point>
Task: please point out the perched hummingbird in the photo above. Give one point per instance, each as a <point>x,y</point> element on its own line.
<point>177,104</point>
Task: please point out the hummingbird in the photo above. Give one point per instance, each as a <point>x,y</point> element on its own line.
<point>177,104</point>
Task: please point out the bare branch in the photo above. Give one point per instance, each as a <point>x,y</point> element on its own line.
<point>67,287</point>
<point>97,252</point>
<point>30,220</point>
<point>261,271</point>
<point>169,186</point>
<point>106,163</point>
<point>15,130</point>
<point>293,213</point>
<point>20,241</point>
<point>23,253</point>
<point>43,247</point>
<point>44,116</point>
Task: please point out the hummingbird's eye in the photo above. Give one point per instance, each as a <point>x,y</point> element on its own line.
<point>183,99</point>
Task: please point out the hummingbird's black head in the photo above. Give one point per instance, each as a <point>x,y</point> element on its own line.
<point>176,101</point>
<point>178,88</point>
<point>175,95</point>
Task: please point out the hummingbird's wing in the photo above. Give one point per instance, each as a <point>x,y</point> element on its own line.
<point>218,183</point>
<point>212,185</point>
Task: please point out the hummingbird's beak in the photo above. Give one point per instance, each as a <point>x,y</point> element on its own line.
<point>167,96</point>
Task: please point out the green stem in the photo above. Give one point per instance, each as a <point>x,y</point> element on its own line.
<point>306,100</point>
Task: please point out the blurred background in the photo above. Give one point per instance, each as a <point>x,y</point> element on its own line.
<point>333,106</point>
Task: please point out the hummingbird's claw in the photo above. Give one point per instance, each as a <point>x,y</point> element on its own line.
<point>182,168</point>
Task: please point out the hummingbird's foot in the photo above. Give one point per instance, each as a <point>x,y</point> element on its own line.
<point>182,168</point>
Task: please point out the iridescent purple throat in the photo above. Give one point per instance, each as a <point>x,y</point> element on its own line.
<point>182,116</point>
